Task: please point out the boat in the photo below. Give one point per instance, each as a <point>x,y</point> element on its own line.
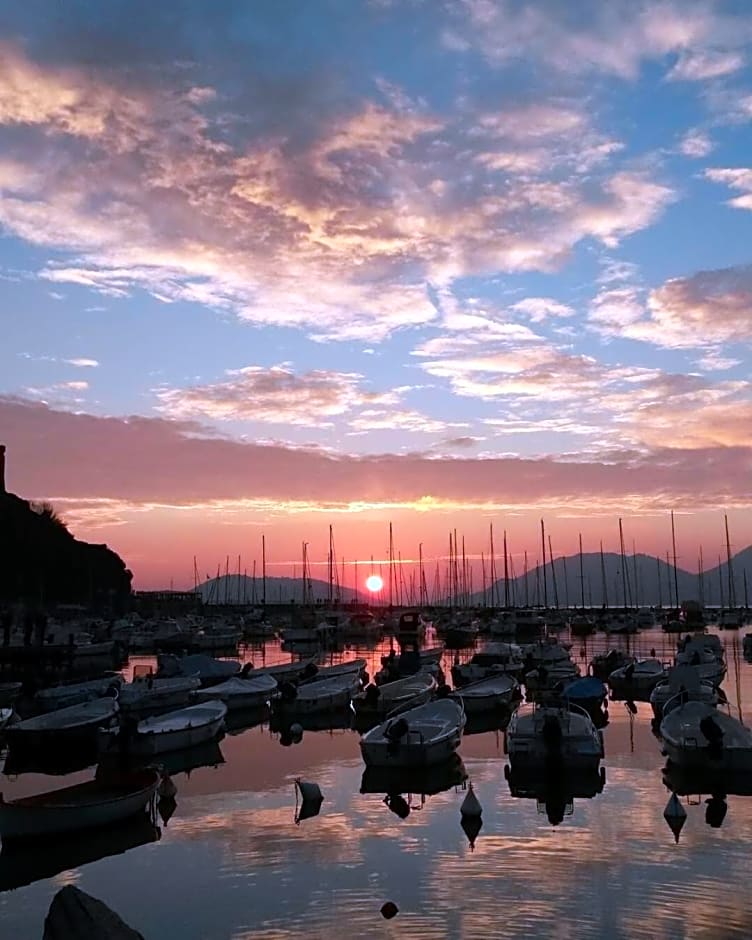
<point>65,727</point>
<point>602,665</point>
<point>5,716</point>
<point>98,802</point>
<point>492,659</point>
<point>75,693</point>
<point>407,663</point>
<point>325,695</point>
<point>205,668</point>
<point>460,631</point>
<point>620,623</point>
<point>636,680</point>
<point>547,678</point>
<point>708,663</point>
<point>698,736</point>
<point>426,781</point>
<point>411,627</point>
<point>555,790</point>
<point>428,734</point>
<point>730,619</point>
<point>546,653</point>
<point>551,735</point>
<point>580,625</point>
<point>9,692</point>
<point>682,679</point>
<point>503,625</point>
<point>238,694</point>
<point>588,692</point>
<point>183,728</point>
<point>379,700</point>
<point>284,672</point>
<point>487,695</point>
<point>151,694</point>
<point>351,667</point>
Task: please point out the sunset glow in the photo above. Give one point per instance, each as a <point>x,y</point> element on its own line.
<point>315,282</point>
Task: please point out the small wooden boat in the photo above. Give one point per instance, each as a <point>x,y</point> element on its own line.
<point>682,679</point>
<point>553,735</point>
<point>324,696</point>
<point>428,734</point>
<point>602,665</point>
<point>237,693</point>
<point>488,694</point>
<point>75,693</point>
<point>492,659</point>
<point>548,678</point>
<point>376,700</point>
<point>73,913</point>
<point>149,694</point>
<point>183,728</point>
<point>97,802</point>
<point>64,727</point>
<point>351,667</point>
<point>284,672</point>
<point>588,692</point>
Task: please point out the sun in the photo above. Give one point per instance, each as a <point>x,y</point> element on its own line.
<point>374,583</point>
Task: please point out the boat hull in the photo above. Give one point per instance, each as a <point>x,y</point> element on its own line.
<point>407,755</point>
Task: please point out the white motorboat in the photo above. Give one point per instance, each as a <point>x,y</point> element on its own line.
<point>237,693</point>
<point>488,694</point>
<point>173,731</point>
<point>63,696</point>
<point>705,657</point>
<point>149,694</point>
<point>636,680</point>
<point>203,667</point>
<point>682,679</point>
<point>97,802</point>
<point>377,700</point>
<point>64,727</point>
<point>493,659</point>
<point>698,736</point>
<point>548,678</point>
<point>428,734</point>
<point>326,695</point>
<point>551,736</point>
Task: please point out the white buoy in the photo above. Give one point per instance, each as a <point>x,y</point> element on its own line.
<point>471,804</point>
<point>675,815</point>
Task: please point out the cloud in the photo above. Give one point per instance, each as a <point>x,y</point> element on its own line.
<point>380,419</point>
<point>276,396</point>
<point>613,39</point>
<point>696,144</point>
<point>542,308</point>
<point>342,231</point>
<point>739,178</point>
<point>71,457</point>
<point>82,363</point>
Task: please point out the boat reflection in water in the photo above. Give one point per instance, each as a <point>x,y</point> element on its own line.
<point>184,761</point>
<point>484,722</point>
<point>719,784</point>
<point>555,790</point>
<point>21,760</point>
<point>401,784</point>
<point>289,727</point>
<point>238,721</point>
<point>23,863</point>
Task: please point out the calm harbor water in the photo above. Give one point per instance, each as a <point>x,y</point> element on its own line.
<point>233,863</point>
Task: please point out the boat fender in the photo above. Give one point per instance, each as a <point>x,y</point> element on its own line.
<point>443,690</point>
<point>398,805</point>
<point>166,789</point>
<point>397,729</point>
<point>471,804</point>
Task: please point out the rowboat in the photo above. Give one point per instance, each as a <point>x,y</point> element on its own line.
<point>284,672</point>
<point>150,694</point>
<point>64,727</point>
<point>491,660</point>
<point>183,728</point>
<point>428,734</point>
<point>323,696</point>
<point>351,667</point>
<point>377,700</point>
<point>682,679</point>
<point>696,735</point>
<point>636,680</point>
<point>488,694</point>
<point>239,693</point>
<point>63,696</point>
<point>205,668</point>
<point>97,802</point>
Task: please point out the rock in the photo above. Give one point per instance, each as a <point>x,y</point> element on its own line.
<point>75,915</point>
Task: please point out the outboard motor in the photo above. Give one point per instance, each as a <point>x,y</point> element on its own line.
<point>714,734</point>
<point>395,732</point>
<point>310,671</point>
<point>288,692</point>
<point>552,737</point>
<point>371,695</point>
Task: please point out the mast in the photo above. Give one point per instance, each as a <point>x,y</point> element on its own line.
<point>494,588</point>
<point>391,567</point>
<point>263,571</point>
<point>330,561</point>
<point>483,576</point>
<point>720,579</point>
<point>731,585</point>
<point>603,576</point>
<point>660,581</point>
<point>553,574</point>
<point>566,582</point>
<point>421,579</point>
<point>623,566</point>
<point>545,585</point>
<point>676,574</point>
<point>506,572</point>
<point>582,577</point>
<point>701,572</point>
<point>527,591</point>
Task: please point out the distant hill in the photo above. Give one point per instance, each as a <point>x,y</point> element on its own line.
<point>42,563</point>
<point>240,589</point>
<point>645,581</point>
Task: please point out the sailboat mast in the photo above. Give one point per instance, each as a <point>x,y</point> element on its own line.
<point>701,571</point>
<point>506,572</point>
<point>263,571</point>
<point>676,573</point>
<point>731,585</point>
<point>623,566</point>
<point>603,577</point>
<point>553,574</point>
<point>494,588</point>
<point>527,590</point>
<point>582,577</point>
<point>543,546</point>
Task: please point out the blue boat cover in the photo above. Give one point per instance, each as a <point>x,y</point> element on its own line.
<point>587,687</point>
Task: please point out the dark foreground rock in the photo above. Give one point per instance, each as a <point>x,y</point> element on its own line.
<point>75,915</point>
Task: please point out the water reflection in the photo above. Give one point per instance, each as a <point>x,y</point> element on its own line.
<point>233,837</point>
<point>555,791</point>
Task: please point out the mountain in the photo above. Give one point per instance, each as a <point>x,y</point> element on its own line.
<point>240,589</point>
<point>42,563</point>
<point>645,580</point>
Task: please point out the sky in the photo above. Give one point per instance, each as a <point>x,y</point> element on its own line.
<point>271,267</point>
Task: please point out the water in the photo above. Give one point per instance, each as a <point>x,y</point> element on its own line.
<point>233,863</point>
